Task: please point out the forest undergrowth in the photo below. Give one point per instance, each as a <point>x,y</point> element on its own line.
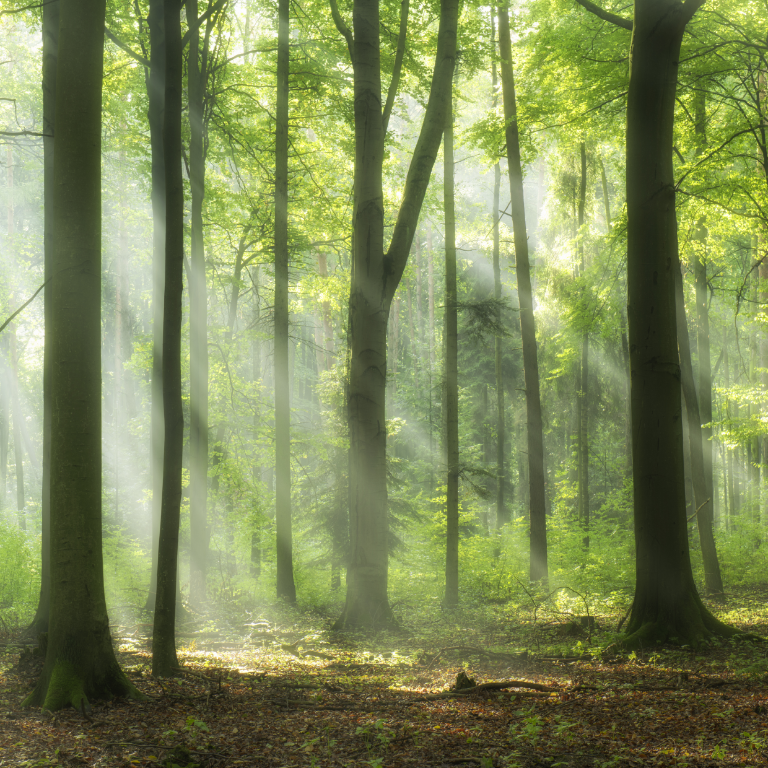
<point>490,686</point>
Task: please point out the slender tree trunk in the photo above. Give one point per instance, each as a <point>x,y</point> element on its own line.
<point>80,662</point>
<point>198,321</point>
<point>451,372</point>
<point>164,660</point>
<point>666,603</point>
<point>502,513</point>
<point>584,378</point>
<point>155,112</point>
<point>286,588</point>
<point>18,452</point>
<point>539,571</point>
<point>375,277</point>
<point>5,416</point>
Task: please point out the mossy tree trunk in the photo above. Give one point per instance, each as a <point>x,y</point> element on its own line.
<point>80,663</point>
<point>164,660</point>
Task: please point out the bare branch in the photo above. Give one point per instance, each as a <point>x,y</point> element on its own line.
<point>344,29</point>
<point>123,47</point>
<point>392,92</point>
<point>601,13</point>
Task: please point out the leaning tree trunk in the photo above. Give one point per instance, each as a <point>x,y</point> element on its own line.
<point>80,663</point>
<point>539,571</point>
<point>164,660</point>
<point>666,603</point>
<point>198,322</point>
<point>375,277</point>
<point>286,588</point>
<point>451,372</point>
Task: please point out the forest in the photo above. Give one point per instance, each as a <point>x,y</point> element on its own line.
<point>383,383</point>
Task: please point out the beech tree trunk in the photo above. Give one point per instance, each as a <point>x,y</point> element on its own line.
<point>583,395</point>
<point>375,277</point>
<point>539,571</point>
<point>451,371</point>
<point>164,660</point>
<point>286,589</point>
<point>667,605</point>
<point>80,663</point>
<point>156,98</point>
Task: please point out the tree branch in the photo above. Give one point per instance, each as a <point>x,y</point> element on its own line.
<point>215,8</point>
<point>392,92</point>
<point>120,44</point>
<point>344,29</point>
<point>23,306</point>
<point>619,21</point>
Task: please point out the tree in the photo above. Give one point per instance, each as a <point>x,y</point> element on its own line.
<point>285,584</point>
<point>666,605</point>
<point>451,370</point>
<point>539,571</point>
<point>164,661</point>
<point>80,663</point>
<point>375,277</point>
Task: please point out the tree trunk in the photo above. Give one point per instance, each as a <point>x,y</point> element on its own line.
<point>164,660</point>
<point>666,603</point>
<point>539,571</point>
<point>584,377</point>
<point>375,277</point>
<point>286,589</point>
<point>80,662</point>
<point>155,111</point>
<point>451,372</point>
<point>18,452</point>
<point>502,513</point>
<point>50,54</point>
<point>198,320</point>
<point>5,417</point>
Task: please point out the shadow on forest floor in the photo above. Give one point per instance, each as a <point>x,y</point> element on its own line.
<point>280,690</point>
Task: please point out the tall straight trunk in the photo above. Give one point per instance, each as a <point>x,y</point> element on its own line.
<point>666,602</point>
<point>702,491</point>
<point>18,451</point>
<point>256,379</point>
<point>451,372</point>
<point>728,454</point>
<point>286,589</point>
<point>327,346</point>
<point>164,660</point>
<point>155,112</point>
<point>539,571</point>
<point>375,277</point>
<point>5,416</point>
<point>431,302</point>
<point>50,55</point>
<point>502,513</point>
<point>584,378</point>
<point>198,319</point>
<point>80,663</point>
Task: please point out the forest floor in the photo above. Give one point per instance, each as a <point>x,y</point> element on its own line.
<point>281,690</point>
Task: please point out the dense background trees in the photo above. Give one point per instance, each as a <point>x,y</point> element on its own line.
<point>250,340</point>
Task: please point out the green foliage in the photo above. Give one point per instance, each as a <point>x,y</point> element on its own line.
<point>19,576</point>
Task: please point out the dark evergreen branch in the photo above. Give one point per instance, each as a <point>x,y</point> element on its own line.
<point>613,18</point>
<point>392,92</point>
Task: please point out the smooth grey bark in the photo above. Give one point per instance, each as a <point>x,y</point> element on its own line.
<point>502,513</point>
<point>583,394</point>
<point>286,588</point>
<point>375,277</point>
<point>50,55</point>
<point>198,313</point>
<point>164,659</point>
<point>451,368</point>
<point>539,571</point>
<point>666,603</point>
<point>156,109</point>
<point>18,451</point>
<point>80,663</point>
